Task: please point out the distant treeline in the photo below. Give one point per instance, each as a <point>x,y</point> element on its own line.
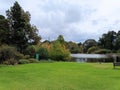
<point>108,43</point>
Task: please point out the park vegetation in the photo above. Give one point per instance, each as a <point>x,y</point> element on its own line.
<point>20,42</point>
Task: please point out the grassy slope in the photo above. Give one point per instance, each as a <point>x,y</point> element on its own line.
<point>60,76</point>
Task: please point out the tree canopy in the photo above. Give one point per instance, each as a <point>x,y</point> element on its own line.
<point>4,34</point>
<point>22,33</point>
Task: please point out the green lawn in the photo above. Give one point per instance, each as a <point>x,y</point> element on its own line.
<point>60,76</point>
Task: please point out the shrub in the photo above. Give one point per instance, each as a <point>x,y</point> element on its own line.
<point>92,49</point>
<point>118,51</point>
<point>43,53</point>
<point>24,61</point>
<point>31,50</point>
<point>102,51</point>
<point>32,60</point>
<point>19,56</point>
<point>26,56</point>
<point>10,62</point>
<point>9,54</point>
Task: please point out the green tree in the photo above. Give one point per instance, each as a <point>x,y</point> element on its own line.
<point>59,52</point>
<point>22,33</point>
<point>61,39</point>
<point>108,40</point>
<point>89,43</point>
<point>4,30</point>
<point>43,53</point>
<point>31,50</point>
<point>81,49</point>
<point>117,41</point>
<point>73,47</point>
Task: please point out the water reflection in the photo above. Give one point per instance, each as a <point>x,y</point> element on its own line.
<point>89,57</point>
<point>81,59</point>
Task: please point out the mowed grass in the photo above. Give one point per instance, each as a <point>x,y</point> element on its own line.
<point>60,76</point>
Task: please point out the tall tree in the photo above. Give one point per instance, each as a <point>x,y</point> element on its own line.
<point>61,39</point>
<point>22,33</point>
<point>108,40</point>
<point>73,47</point>
<point>117,41</point>
<point>4,34</point>
<point>89,43</point>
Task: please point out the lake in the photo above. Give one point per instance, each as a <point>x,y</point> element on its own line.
<point>88,57</point>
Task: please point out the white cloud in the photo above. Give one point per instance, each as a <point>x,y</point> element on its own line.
<point>77,20</point>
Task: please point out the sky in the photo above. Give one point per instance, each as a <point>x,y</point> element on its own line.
<point>76,20</point>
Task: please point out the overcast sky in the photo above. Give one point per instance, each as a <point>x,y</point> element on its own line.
<point>76,20</point>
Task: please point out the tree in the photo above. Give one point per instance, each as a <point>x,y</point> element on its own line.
<point>59,52</point>
<point>108,40</point>
<point>22,33</point>
<point>73,47</point>
<point>61,39</point>
<point>43,53</point>
<point>82,48</point>
<point>79,44</point>
<point>117,41</point>
<point>92,49</point>
<point>4,34</point>
<point>89,43</point>
<point>31,50</point>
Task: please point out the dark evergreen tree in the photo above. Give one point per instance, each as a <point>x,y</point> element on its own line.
<point>4,33</point>
<point>22,33</point>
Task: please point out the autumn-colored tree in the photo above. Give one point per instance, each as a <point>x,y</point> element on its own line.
<point>59,52</point>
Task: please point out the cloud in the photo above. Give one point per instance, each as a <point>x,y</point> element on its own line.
<point>77,20</point>
<point>4,4</point>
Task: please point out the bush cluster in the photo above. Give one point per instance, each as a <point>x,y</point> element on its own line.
<point>43,53</point>
<point>26,61</point>
<point>92,49</point>
<point>9,55</point>
<point>103,51</point>
<point>56,51</point>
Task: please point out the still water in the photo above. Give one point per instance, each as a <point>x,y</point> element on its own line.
<point>86,57</point>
